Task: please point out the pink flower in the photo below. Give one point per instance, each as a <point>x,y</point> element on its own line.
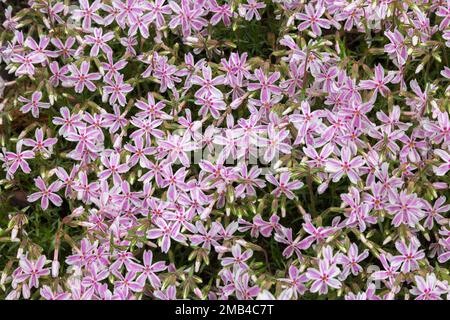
<point>312,18</point>
<point>165,231</point>
<point>147,129</point>
<point>243,290</point>
<point>249,180</point>
<point>409,255</point>
<point>221,13</point>
<point>266,84</point>
<point>206,238</point>
<point>27,63</point>
<point>407,209</point>
<point>86,191</point>
<point>276,143</point>
<point>346,165</point>
<point>98,41</point>
<point>18,159</point>
<point>444,12</point>
<point>429,288</point>
<point>266,228</point>
<point>11,21</point>
<point>435,212</point>
<point>211,104</point>
<point>178,148</point>
<point>440,131</point>
<point>64,49</point>
<point>148,270</point>
<point>169,294</point>
<point>189,18</point>
<point>251,9</point>
<point>67,180</point>
<point>390,270</point>
<point>378,83</point>
<point>397,47</point>
<point>59,74</point>
<point>112,67</point>
<point>316,234</point>
<point>31,270</point>
<point>40,145</point>
<point>296,280</point>
<point>53,11</point>
<point>283,185</point>
<point>151,109</point>
<point>113,167</point>
<point>157,11</point>
<point>445,167</point>
<point>127,283</point>
<point>47,293</point>
<point>327,77</point>
<point>128,11</point>
<point>208,84</point>
<point>34,104</point>
<point>46,194</point>
<point>69,123</point>
<point>368,295</point>
<point>40,49</point>
<point>239,258</point>
<point>94,277</point>
<point>393,120</point>
<point>323,277</point>
<point>116,90</point>
<point>88,13</point>
<point>318,160</point>
<point>351,260</point>
<point>86,138</point>
<point>139,152</point>
<point>81,77</point>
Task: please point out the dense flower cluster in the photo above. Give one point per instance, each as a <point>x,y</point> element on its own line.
<point>210,149</point>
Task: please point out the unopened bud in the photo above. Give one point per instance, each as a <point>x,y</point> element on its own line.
<point>14,232</point>
<point>198,293</point>
<point>3,278</point>
<point>55,268</point>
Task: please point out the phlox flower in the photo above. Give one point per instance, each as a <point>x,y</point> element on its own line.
<point>239,258</point>
<point>33,104</point>
<point>407,209</point>
<point>323,277</point>
<point>40,145</point>
<point>429,288</point>
<point>88,12</point>
<point>116,89</point>
<point>46,193</point>
<point>250,9</point>
<point>409,255</point>
<point>346,165</point>
<point>283,186</point>
<point>18,159</point>
<point>351,261</point>
<point>31,270</point>
<point>81,78</point>
<point>312,19</point>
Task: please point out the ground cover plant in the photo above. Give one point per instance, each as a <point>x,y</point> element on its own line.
<point>207,149</point>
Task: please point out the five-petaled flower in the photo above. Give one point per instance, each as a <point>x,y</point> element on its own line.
<point>46,193</point>
<point>283,186</point>
<point>323,277</point>
<point>31,270</point>
<point>33,104</point>
<point>346,165</point>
